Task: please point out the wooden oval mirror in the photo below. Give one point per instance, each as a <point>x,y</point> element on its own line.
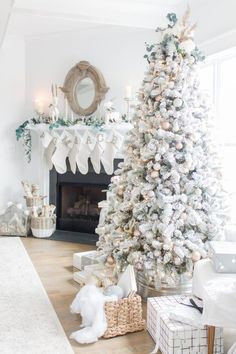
<point>84,88</point>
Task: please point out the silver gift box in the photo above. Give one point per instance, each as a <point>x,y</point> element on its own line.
<point>223,255</point>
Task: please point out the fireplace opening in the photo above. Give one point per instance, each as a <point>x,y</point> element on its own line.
<point>76,197</point>
<point>78,206</point>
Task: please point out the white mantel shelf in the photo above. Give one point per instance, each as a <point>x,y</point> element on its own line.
<point>121,127</point>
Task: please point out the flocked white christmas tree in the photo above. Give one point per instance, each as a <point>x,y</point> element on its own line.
<point>166,199</point>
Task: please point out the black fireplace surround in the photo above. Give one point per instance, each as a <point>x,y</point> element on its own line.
<point>76,197</point>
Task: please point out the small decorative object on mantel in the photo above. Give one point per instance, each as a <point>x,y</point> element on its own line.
<point>111,115</point>
<point>223,255</point>
<point>14,220</point>
<point>129,99</point>
<point>54,105</point>
<point>172,336</point>
<point>43,221</point>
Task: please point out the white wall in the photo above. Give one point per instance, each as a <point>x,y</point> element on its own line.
<point>12,93</point>
<point>117,52</point>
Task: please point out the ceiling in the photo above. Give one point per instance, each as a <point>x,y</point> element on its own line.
<point>42,17</point>
<point>36,17</point>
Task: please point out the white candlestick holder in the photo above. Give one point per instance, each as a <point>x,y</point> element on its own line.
<point>128,101</point>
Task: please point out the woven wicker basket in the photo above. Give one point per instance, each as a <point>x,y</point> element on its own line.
<point>42,226</point>
<point>34,201</point>
<point>124,316</point>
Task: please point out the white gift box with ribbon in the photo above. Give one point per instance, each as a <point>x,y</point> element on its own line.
<point>173,337</point>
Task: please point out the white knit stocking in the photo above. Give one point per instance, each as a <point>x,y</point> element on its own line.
<point>88,142</point>
<point>63,147</point>
<point>113,144</point>
<point>97,152</point>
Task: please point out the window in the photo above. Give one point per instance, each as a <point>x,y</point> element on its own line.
<point>218,78</point>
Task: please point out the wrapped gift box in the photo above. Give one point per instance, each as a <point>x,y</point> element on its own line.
<point>99,272</point>
<point>223,255</point>
<point>176,337</point>
<point>82,259</point>
<point>80,277</point>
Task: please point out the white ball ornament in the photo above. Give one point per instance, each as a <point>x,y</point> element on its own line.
<point>154,174</point>
<point>177,261</point>
<point>9,204</point>
<point>149,235</point>
<point>163,110</point>
<point>163,104</point>
<point>19,206</point>
<point>179,146</point>
<point>158,98</point>
<point>166,247</point>
<point>177,102</point>
<point>157,253</point>
<point>137,233</point>
<point>154,92</point>
<point>110,260</point>
<point>114,290</point>
<point>151,194</point>
<point>165,125</point>
<point>196,256</point>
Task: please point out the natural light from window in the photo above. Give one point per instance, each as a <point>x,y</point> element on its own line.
<point>218,79</point>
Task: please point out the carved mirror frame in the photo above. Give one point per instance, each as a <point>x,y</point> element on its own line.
<point>79,72</point>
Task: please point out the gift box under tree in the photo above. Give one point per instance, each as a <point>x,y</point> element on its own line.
<point>176,337</point>
<point>223,255</point>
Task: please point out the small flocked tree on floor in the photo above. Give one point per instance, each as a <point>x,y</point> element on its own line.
<point>166,199</point>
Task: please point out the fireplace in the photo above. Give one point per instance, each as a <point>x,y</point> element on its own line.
<point>76,197</point>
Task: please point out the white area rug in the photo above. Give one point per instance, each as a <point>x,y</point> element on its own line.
<point>28,322</point>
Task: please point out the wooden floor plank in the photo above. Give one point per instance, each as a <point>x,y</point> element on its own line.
<point>53,262</point>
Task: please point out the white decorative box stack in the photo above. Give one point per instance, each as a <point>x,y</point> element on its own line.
<point>82,259</point>
<point>176,337</point>
<point>91,270</point>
